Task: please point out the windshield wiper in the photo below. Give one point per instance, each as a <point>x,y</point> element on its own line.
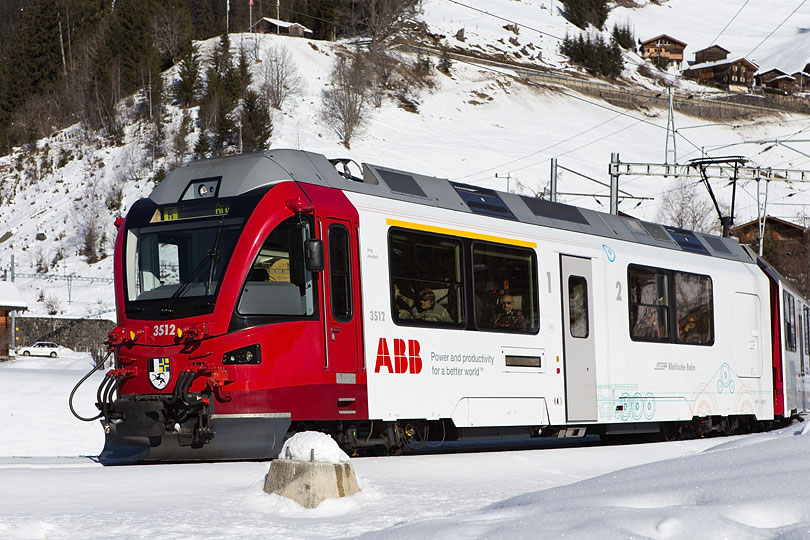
<point>213,256</point>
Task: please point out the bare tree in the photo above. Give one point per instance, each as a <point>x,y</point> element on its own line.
<point>683,207</point>
<point>387,18</point>
<point>281,80</point>
<point>345,103</point>
<point>172,29</point>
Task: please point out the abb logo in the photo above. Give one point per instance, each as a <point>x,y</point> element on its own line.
<point>406,358</point>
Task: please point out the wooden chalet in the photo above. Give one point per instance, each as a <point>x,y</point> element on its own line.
<point>802,80</point>
<point>664,49</point>
<point>786,246</point>
<point>780,230</point>
<point>737,74</point>
<point>10,300</point>
<point>714,53</point>
<point>776,78</point>
<point>267,25</point>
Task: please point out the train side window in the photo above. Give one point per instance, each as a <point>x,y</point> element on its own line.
<point>694,308</point>
<point>806,320</point>
<point>578,306</point>
<point>277,282</point>
<point>339,273</point>
<point>505,284</point>
<point>426,279</point>
<point>790,321</point>
<point>648,298</point>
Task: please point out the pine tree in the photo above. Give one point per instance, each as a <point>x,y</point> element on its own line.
<point>202,148</point>
<point>188,87</point>
<point>257,124</point>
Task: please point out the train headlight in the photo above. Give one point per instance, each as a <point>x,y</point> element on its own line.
<point>246,355</point>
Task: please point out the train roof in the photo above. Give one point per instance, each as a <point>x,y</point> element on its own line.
<point>234,175</point>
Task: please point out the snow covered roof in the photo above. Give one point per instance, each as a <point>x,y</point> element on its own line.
<point>664,36</point>
<point>713,47</point>
<point>10,297</point>
<point>717,63</point>
<point>283,24</point>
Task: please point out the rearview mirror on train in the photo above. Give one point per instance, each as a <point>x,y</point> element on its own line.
<point>314,255</point>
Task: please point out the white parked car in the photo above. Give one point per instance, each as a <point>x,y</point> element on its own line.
<point>40,348</point>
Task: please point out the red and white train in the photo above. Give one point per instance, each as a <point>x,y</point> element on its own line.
<point>263,294</point>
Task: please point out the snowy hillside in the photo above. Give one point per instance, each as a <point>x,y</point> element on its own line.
<point>471,125</point>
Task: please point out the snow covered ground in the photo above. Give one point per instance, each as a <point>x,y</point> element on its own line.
<point>743,487</point>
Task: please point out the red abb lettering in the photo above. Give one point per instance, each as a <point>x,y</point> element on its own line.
<point>383,357</point>
<point>406,356</point>
<point>400,358</point>
<point>413,356</point>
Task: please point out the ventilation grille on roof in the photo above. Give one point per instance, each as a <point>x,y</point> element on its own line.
<point>657,231</point>
<point>687,240</point>
<point>551,210</point>
<point>483,201</point>
<point>717,245</point>
<point>401,183</point>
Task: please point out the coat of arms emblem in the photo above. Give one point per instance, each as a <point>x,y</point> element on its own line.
<point>159,372</point>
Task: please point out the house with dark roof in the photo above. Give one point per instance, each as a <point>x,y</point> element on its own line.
<point>736,74</point>
<point>663,49</point>
<point>711,54</point>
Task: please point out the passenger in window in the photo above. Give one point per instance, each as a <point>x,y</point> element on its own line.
<point>509,317</point>
<point>404,305</point>
<point>689,332</point>
<point>428,310</point>
<point>659,329</point>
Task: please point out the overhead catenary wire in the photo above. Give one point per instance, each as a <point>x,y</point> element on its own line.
<point>728,23</point>
<point>766,38</point>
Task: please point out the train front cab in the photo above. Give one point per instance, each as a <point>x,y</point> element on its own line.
<point>224,375</point>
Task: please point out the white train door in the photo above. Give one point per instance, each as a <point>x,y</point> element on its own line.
<point>579,350</point>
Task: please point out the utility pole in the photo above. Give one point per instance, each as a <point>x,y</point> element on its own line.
<point>553,182</point>
<point>670,134</point>
<point>507,176</point>
<point>250,10</point>
<point>227,16</point>
<point>278,15</point>
<point>614,184</point>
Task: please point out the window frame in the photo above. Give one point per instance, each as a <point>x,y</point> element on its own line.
<point>789,314</point>
<point>345,277</point>
<point>671,306</point>
<point>584,281</point>
<point>462,283</point>
<point>533,291</point>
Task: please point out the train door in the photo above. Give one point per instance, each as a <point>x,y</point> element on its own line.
<point>579,350</point>
<point>747,346</point>
<point>341,296</point>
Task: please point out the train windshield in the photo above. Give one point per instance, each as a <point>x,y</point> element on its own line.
<point>173,269</point>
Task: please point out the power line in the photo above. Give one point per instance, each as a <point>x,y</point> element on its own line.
<point>729,23</point>
<point>505,19</point>
<point>775,29</point>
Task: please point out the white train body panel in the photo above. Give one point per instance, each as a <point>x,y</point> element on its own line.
<point>464,376</point>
